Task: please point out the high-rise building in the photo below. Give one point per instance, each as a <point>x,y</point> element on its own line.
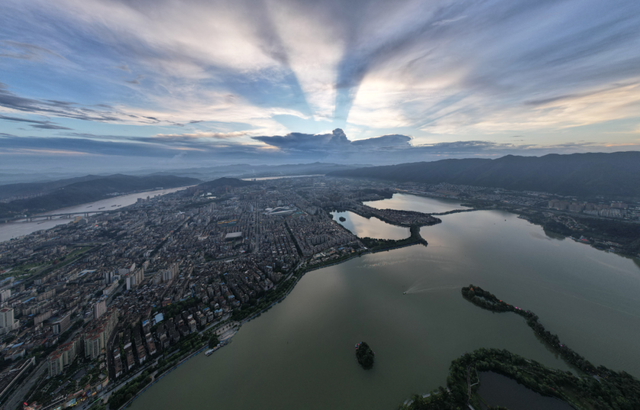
<point>108,276</point>
<point>134,279</point>
<point>5,294</point>
<point>7,323</point>
<point>170,272</point>
<point>99,308</point>
<point>63,356</point>
<point>61,325</point>
<point>97,336</point>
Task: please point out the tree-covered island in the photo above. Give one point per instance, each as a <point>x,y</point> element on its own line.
<point>365,355</point>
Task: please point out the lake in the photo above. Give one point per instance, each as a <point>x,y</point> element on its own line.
<point>20,228</point>
<point>301,354</point>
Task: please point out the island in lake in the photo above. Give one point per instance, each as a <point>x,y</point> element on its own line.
<point>365,355</point>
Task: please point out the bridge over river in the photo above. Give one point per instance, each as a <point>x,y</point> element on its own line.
<point>67,215</point>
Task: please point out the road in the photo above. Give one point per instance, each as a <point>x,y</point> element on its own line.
<point>18,395</point>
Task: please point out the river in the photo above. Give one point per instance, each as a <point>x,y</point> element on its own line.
<point>20,228</point>
<point>300,354</point>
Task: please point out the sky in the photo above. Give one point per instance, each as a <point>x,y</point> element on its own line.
<point>119,84</point>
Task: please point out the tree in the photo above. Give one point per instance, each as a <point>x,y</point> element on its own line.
<point>213,341</point>
<point>365,355</point>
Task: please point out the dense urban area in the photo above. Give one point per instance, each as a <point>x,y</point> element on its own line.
<point>95,310</point>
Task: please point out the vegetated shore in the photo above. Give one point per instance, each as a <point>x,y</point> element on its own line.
<point>593,387</point>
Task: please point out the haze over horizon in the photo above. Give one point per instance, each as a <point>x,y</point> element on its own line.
<point>117,84</point>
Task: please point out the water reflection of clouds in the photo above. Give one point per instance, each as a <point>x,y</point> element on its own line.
<point>407,202</point>
<point>371,228</point>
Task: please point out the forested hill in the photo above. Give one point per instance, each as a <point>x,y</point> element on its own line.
<point>613,175</point>
<point>38,188</point>
<point>222,183</point>
<point>91,190</point>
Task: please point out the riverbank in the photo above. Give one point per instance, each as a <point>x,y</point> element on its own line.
<point>167,372</point>
<point>283,290</point>
<point>16,229</point>
<point>131,388</point>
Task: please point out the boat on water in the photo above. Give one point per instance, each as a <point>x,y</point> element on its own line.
<point>101,208</point>
<point>209,352</point>
<point>404,293</point>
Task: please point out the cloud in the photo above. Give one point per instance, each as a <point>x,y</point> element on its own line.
<point>50,127</point>
<point>335,140</point>
<point>395,141</point>
<point>135,80</point>
<point>14,102</point>
<point>438,71</point>
<point>24,51</point>
<point>44,125</point>
<point>102,151</point>
<point>204,135</point>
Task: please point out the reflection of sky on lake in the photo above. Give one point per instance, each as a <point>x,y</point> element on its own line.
<point>370,228</point>
<point>405,202</point>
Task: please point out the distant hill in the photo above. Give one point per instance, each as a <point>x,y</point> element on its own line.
<point>36,188</point>
<point>222,183</point>
<point>316,168</point>
<point>586,175</point>
<point>90,189</point>
<point>252,171</point>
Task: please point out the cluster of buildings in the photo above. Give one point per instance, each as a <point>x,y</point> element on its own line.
<point>614,209</point>
<point>94,293</point>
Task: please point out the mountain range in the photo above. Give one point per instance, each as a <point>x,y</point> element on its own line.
<point>585,175</point>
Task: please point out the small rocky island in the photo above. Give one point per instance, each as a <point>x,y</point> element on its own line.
<point>342,219</point>
<point>365,355</point>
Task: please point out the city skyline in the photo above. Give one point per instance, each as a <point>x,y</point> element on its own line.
<point>102,83</point>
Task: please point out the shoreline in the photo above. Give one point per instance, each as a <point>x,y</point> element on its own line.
<point>296,276</point>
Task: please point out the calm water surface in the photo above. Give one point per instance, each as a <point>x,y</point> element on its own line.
<point>405,202</point>
<point>370,228</point>
<point>499,390</point>
<point>17,229</point>
<point>300,354</point>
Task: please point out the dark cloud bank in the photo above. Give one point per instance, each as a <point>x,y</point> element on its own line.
<point>182,150</point>
<point>336,141</point>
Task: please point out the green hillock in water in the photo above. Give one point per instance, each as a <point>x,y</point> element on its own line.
<point>365,355</point>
